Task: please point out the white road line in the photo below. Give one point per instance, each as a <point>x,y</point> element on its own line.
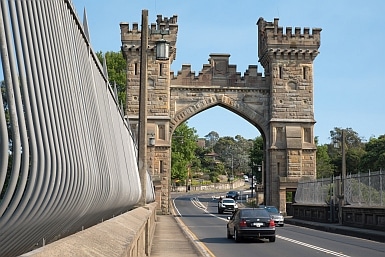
<point>201,206</point>
<point>198,204</point>
<point>312,246</point>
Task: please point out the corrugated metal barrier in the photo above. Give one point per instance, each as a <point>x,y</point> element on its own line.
<point>67,157</point>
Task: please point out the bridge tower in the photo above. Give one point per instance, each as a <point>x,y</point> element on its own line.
<point>280,104</point>
<point>287,59</point>
<point>158,88</point>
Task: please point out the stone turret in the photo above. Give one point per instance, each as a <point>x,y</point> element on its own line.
<point>287,57</point>
<point>164,28</point>
<point>273,43</point>
<point>158,95</point>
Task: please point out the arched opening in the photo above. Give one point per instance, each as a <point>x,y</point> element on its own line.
<point>226,141</point>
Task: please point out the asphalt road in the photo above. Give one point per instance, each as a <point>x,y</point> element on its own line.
<point>199,214</point>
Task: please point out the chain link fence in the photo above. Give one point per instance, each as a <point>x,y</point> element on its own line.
<point>365,189</point>
<point>314,191</point>
<point>362,189</point>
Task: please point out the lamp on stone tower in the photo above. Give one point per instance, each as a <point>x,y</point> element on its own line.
<point>162,49</point>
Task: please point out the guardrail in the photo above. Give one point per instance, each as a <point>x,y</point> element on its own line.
<point>129,234</point>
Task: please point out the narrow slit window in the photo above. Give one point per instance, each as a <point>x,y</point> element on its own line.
<point>304,72</point>
<point>136,68</point>
<point>307,135</point>
<point>160,69</point>
<point>280,72</point>
<point>161,167</point>
<point>162,132</point>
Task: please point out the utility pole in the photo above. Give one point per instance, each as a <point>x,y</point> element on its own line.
<point>142,148</point>
<point>343,176</point>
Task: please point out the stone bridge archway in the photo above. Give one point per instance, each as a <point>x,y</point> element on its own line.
<point>279,104</point>
<point>209,100</point>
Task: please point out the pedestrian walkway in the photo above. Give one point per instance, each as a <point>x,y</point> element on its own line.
<point>171,241</point>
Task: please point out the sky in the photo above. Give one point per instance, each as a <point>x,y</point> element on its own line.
<point>349,72</point>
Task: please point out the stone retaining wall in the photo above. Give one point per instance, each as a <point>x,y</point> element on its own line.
<point>215,186</point>
<point>352,216</point>
<point>129,234</point>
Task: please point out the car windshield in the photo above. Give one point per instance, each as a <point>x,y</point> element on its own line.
<point>228,201</point>
<point>252,213</point>
<point>272,209</point>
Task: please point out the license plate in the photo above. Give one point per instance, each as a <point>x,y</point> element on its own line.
<point>257,224</point>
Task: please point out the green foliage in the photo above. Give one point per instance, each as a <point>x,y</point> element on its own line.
<point>211,139</point>
<point>224,147</point>
<point>325,168</point>
<point>354,150</point>
<point>256,157</point>
<point>234,154</point>
<point>183,148</point>
<point>116,68</point>
<point>374,157</point>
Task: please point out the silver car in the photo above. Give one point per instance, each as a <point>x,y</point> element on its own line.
<point>276,215</point>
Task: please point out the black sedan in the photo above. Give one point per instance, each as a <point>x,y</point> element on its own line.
<point>232,194</point>
<point>252,223</point>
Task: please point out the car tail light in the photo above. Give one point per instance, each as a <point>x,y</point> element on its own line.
<point>243,223</point>
<point>272,223</point>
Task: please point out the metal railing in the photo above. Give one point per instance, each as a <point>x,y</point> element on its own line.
<point>67,157</point>
<point>362,189</point>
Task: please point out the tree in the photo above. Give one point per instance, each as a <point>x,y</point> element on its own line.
<point>211,139</point>
<point>224,147</point>
<point>354,150</point>
<point>256,157</point>
<point>325,168</point>
<point>374,157</point>
<point>183,148</point>
<point>242,154</point>
<point>116,68</point>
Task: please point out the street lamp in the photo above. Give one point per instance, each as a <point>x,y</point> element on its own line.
<point>162,49</point>
<point>151,139</point>
<point>341,189</point>
<point>252,179</point>
<point>232,166</point>
<point>259,169</point>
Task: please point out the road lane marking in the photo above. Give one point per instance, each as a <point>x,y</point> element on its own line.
<point>313,247</point>
<point>207,251</point>
<point>198,203</point>
<point>193,238</point>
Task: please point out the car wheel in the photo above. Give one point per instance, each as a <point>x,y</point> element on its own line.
<point>236,236</point>
<point>272,239</point>
<point>229,236</point>
<point>281,225</point>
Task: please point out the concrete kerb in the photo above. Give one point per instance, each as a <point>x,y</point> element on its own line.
<point>198,245</point>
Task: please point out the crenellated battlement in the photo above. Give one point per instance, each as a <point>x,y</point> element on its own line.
<point>162,23</point>
<point>276,34</point>
<point>219,73</point>
<point>276,43</point>
<point>164,28</point>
